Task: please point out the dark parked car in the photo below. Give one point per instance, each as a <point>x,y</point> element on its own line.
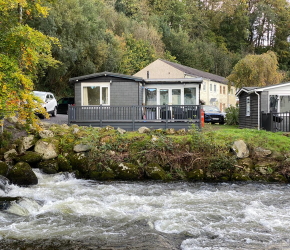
<point>213,115</point>
<point>62,104</point>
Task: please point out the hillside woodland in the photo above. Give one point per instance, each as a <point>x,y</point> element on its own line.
<point>43,43</point>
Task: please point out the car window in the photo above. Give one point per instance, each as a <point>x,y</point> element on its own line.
<point>211,108</point>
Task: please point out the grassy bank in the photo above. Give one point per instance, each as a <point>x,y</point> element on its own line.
<point>225,135</point>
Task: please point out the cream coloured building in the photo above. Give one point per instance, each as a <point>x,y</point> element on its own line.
<point>214,89</point>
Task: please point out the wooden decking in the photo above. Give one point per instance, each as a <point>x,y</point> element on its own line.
<point>132,118</point>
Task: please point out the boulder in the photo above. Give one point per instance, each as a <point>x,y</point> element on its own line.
<point>9,155</point>
<point>26,143</point>
<point>48,150</point>
<point>64,164</point>
<point>121,131</point>
<point>49,166</point>
<point>143,130</point>
<point>46,133</point>
<point>21,174</point>
<point>82,148</point>
<point>241,149</point>
<point>3,168</point>
<point>155,172</point>
<point>106,174</point>
<point>32,158</point>
<point>127,171</point>
<point>261,152</point>
<point>3,182</point>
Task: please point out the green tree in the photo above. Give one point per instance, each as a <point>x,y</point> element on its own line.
<point>23,51</point>
<point>256,70</point>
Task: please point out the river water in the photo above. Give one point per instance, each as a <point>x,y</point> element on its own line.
<point>63,212</point>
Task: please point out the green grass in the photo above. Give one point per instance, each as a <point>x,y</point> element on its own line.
<point>225,135</point>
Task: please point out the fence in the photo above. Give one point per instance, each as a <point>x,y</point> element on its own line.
<point>133,117</point>
<point>275,121</point>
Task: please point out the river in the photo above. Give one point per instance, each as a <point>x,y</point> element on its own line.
<point>63,212</point>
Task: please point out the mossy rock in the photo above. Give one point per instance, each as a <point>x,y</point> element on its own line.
<point>49,166</point>
<point>3,168</point>
<point>32,158</point>
<point>21,174</point>
<point>127,171</point>
<point>64,164</point>
<point>106,174</point>
<point>195,175</point>
<point>79,161</point>
<point>240,177</point>
<point>155,172</point>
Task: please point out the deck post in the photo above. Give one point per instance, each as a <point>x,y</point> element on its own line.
<point>132,117</point>
<point>101,115</point>
<point>166,116</point>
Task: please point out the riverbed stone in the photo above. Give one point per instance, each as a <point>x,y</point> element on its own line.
<point>195,175</point>
<point>21,174</point>
<point>48,149</point>
<point>64,164</point>
<point>241,149</point>
<point>127,171</point>
<point>79,162</point>
<point>49,166</point>
<point>3,168</point>
<point>26,143</point>
<point>31,157</point>
<point>10,154</point>
<point>155,172</point>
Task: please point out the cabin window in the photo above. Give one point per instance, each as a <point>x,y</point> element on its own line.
<point>95,94</point>
<point>151,96</point>
<point>176,96</point>
<point>190,96</point>
<point>248,105</point>
<point>164,96</point>
<point>204,86</point>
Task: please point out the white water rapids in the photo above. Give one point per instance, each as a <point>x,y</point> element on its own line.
<point>220,216</point>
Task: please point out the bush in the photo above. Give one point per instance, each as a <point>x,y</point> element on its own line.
<point>232,115</point>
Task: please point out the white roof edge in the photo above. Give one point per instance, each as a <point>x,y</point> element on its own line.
<point>181,80</point>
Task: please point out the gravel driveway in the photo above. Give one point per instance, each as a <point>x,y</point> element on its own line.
<point>59,119</point>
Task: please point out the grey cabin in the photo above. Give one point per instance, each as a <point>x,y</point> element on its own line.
<point>265,107</point>
<point>130,102</point>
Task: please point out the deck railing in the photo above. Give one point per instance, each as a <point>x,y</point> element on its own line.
<point>275,121</point>
<point>141,113</point>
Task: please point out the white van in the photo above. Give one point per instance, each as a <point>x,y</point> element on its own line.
<point>49,101</point>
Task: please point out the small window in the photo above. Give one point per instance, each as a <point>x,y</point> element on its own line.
<point>224,90</point>
<point>210,87</point>
<point>204,86</point>
<point>248,102</point>
<point>214,88</point>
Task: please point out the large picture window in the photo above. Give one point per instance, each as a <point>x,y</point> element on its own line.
<point>151,96</point>
<point>94,94</point>
<point>189,96</point>
<point>176,96</point>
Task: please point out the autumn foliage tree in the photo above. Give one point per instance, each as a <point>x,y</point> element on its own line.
<point>23,51</point>
<point>256,70</point>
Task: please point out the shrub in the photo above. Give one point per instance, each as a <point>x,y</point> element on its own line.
<point>232,115</point>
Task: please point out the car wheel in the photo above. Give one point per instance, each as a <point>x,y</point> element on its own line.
<point>212,122</point>
<point>54,112</point>
<point>222,123</point>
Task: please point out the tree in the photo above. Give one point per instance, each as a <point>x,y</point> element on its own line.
<point>256,70</point>
<point>23,51</point>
